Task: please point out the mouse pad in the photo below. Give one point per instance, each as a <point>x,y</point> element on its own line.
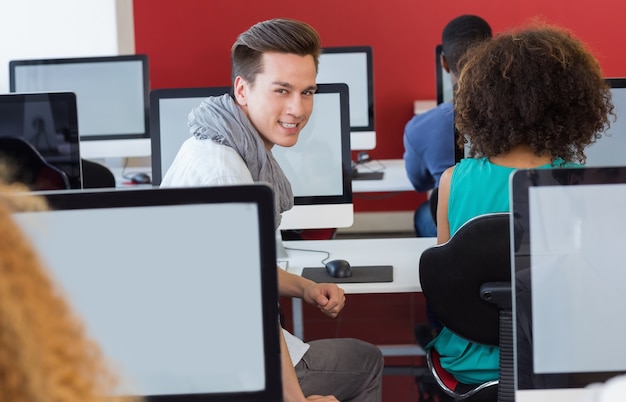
<point>360,274</point>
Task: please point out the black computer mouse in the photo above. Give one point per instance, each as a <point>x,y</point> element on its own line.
<point>339,269</point>
<point>140,178</point>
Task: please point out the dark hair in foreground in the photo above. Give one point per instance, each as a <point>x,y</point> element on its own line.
<point>276,35</point>
<point>537,86</point>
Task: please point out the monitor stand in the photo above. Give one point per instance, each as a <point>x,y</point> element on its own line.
<point>281,253</point>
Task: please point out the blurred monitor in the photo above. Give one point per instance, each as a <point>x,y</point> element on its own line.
<point>354,66</point>
<point>111,95</point>
<point>318,166</point>
<point>148,271</point>
<point>48,121</point>
<point>568,266</point>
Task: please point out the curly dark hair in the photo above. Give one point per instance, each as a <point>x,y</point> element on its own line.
<point>536,86</point>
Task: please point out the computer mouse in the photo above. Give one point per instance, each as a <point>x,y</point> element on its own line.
<point>140,178</point>
<point>339,269</point>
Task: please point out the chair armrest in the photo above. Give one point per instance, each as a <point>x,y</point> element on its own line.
<point>498,293</point>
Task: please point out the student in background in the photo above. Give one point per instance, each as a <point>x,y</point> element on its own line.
<point>529,98</point>
<point>45,354</point>
<point>274,71</point>
<point>429,137</point>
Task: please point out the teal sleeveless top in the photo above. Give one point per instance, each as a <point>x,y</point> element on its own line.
<point>477,187</point>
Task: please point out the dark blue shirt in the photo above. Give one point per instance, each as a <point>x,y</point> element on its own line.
<point>429,146</point>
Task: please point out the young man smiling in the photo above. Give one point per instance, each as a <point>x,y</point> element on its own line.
<point>273,77</point>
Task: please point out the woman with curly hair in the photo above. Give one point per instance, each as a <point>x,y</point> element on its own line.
<point>44,352</point>
<point>529,98</point>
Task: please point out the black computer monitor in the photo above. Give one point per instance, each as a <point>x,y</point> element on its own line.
<point>169,109</point>
<point>111,94</point>
<point>442,79</point>
<point>353,65</point>
<point>608,150</point>
<point>47,121</point>
<point>177,286</point>
<point>568,266</point>
<point>318,166</point>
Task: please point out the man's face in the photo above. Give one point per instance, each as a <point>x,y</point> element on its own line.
<point>280,101</point>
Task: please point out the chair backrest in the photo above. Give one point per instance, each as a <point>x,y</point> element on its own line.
<point>96,175</point>
<point>25,165</point>
<point>451,275</point>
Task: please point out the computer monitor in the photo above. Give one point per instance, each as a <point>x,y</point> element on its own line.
<point>354,66</point>
<point>442,79</point>
<point>148,271</point>
<point>318,166</point>
<point>48,121</point>
<point>568,254</point>
<point>169,110</point>
<point>608,150</point>
<point>112,99</point>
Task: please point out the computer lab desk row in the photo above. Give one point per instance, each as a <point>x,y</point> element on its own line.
<point>401,253</point>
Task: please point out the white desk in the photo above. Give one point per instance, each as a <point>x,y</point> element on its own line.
<point>394,177</point>
<point>403,253</point>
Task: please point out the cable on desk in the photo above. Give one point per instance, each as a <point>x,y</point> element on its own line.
<point>312,251</point>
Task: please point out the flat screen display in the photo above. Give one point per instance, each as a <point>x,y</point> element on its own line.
<point>444,88</point>
<point>111,92</point>
<point>353,65</point>
<point>568,272</point>
<point>169,110</point>
<point>318,166</point>
<point>608,150</point>
<point>161,282</point>
<point>48,122</point>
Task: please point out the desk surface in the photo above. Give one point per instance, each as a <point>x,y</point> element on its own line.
<point>394,177</point>
<point>403,253</point>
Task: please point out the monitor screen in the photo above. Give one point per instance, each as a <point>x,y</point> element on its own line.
<point>353,65</point>
<point>318,166</point>
<point>169,109</point>
<point>111,95</point>
<point>442,79</point>
<point>48,122</point>
<point>148,272</point>
<point>608,150</point>
<point>568,270</point>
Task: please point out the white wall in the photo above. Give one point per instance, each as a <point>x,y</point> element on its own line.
<point>63,28</point>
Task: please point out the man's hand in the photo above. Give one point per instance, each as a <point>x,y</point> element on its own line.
<point>328,297</point>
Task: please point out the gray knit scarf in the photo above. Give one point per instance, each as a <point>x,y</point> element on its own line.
<point>222,121</point>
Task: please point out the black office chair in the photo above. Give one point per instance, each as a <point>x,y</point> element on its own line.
<point>96,175</point>
<point>22,163</point>
<point>467,284</point>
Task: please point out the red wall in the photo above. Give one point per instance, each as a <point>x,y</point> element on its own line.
<point>188,41</point>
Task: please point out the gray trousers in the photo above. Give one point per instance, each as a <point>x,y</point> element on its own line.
<point>349,369</point>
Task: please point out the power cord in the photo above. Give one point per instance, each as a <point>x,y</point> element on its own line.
<point>323,261</point>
